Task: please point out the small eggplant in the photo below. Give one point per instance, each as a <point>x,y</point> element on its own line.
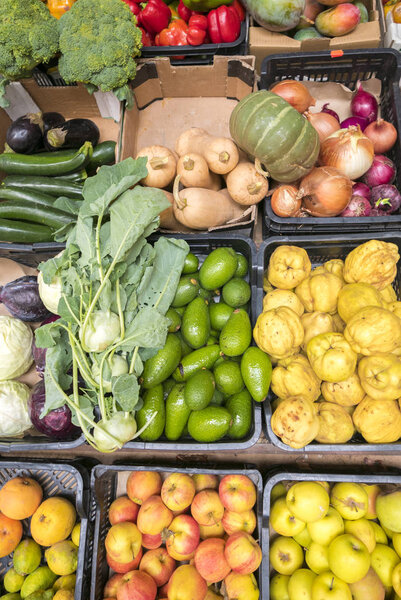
<point>72,134</point>
<point>22,300</point>
<point>51,120</point>
<point>25,135</point>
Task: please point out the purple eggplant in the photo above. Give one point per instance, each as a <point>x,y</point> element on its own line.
<point>51,120</point>
<point>21,299</point>
<point>25,135</point>
<point>57,423</point>
<point>72,134</point>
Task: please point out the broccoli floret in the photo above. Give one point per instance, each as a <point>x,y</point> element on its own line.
<point>28,36</point>
<point>98,42</point>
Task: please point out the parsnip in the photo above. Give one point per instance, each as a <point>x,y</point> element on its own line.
<point>194,172</point>
<point>161,165</point>
<point>220,153</point>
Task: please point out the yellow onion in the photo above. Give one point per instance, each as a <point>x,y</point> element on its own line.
<point>325,192</point>
<point>324,124</point>
<point>285,202</point>
<point>295,93</point>
<point>349,151</point>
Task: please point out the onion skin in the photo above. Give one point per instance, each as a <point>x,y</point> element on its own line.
<point>382,134</point>
<point>361,189</point>
<point>324,124</point>
<point>381,172</point>
<point>285,201</point>
<point>364,104</point>
<point>325,192</point>
<point>358,207</point>
<point>329,111</point>
<point>354,121</point>
<point>349,151</point>
<point>295,93</point>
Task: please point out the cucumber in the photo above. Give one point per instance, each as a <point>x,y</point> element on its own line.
<point>103,154</point>
<point>27,196</point>
<point>52,163</point>
<point>47,185</point>
<point>24,233</point>
<point>34,213</point>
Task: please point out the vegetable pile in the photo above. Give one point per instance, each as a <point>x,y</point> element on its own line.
<point>212,550</point>
<point>46,161</point>
<point>333,331</point>
<point>295,140</point>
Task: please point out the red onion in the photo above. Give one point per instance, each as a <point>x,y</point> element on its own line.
<point>361,189</point>
<point>353,121</point>
<point>381,172</point>
<point>386,198</point>
<point>330,111</point>
<point>358,207</point>
<point>364,104</point>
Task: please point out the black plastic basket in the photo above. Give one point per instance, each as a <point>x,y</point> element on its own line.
<point>104,481</point>
<point>346,67</point>
<point>321,249</point>
<point>358,477</point>
<point>71,482</point>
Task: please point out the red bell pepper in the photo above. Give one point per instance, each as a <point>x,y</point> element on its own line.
<point>224,25</point>
<point>155,16</point>
<point>240,9</point>
<point>184,12</point>
<point>147,38</point>
<point>195,36</point>
<point>133,6</point>
<point>199,21</point>
<point>173,35</point>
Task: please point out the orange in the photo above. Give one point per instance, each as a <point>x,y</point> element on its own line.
<point>10,535</point>
<point>20,497</point>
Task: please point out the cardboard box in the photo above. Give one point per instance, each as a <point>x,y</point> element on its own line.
<point>263,42</point>
<point>170,99</point>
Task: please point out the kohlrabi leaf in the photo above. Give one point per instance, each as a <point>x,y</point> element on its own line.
<point>48,335</point>
<point>68,205</point>
<point>85,240</point>
<point>86,407</point>
<point>125,389</point>
<point>147,330</point>
<point>58,363</point>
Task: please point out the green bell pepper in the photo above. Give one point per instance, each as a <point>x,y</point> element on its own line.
<point>204,5</point>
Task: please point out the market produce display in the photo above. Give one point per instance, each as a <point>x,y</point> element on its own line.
<point>335,540</point>
<point>43,563</point>
<point>179,536</point>
<point>347,151</point>
<point>334,335</point>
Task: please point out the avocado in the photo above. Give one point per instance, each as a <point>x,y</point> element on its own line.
<point>240,408</point>
<point>187,290</point>
<point>228,377</point>
<point>210,424</point>
<point>236,334</point>
<point>202,358</point>
<point>199,390</point>
<point>177,413</point>
<point>236,292</point>
<point>256,371</point>
<point>218,268</point>
<point>191,264</point>
<point>242,266</point>
<point>153,401</point>
<point>219,313</point>
<point>195,325</point>
<point>160,367</point>
<point>175,320</point>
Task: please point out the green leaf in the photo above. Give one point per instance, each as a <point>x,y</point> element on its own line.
<point>68,205</point>
<point>125,390</point>
<point>147,330</point>
<point>158,289</point>
<point>109,183</point>
<point>48,335</point>
<point>58,363</point>
<point>86,407</point>
<point>50,268</point>
<point>68,308</point>
<point>85,240</point>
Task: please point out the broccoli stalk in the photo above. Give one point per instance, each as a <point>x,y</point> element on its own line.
<point>98,41</point>
<point>28,37</point>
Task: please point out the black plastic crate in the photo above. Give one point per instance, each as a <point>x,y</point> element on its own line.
<point>104,481</point>
<point>347,68</point>
<point>71,482</point>
<point>389,480</point>
<point>321,249</point>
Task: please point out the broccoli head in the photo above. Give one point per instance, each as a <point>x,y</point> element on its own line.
<point>28,36</point>
<point>98,42</point>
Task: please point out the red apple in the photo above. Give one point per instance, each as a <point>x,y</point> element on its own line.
<point>237,493</point>
<point>186,584</point>
<point>243,553</point>
<point>208,531</point>
<point>137,585</point>
<point>210,561</point>
<point>178,491</point>
<point>159,565</point>
<point>233,522</point>
<point>207,508</point>
<point>143,484</point>
<point>205,481</point>
<point>123,542</point>
<point>182,537</point>
<point>124,567</point>
<point>153,516</point>
<point>151,542</point>
<point>123,509</point>
<point>162,591</point>
<point>111,587</point>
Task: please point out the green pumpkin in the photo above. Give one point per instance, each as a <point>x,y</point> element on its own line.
<point>268,128</point>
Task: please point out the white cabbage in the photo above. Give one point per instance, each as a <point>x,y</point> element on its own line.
<point>15,347</point>
<point>14,417</point>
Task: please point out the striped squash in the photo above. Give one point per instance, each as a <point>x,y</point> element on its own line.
<point>269,129</point>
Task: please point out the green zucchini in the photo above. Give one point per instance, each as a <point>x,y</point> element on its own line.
<point>34,213</point>
<point>26,196</point>
<point>24,233</point>
<point>53,186</point>
<point>103,154</point>
<point>53,163</point>
<point>76,177</point>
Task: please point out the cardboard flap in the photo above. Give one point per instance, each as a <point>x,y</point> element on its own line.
<point>20,101</point>
<point>315,44</point>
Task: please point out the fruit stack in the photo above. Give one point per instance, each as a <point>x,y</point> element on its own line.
<point>340,540</point>
<point>43,565</point>
<point>184,538</point>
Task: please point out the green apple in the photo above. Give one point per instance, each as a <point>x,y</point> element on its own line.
<point>286,556</point>
<point>308,501</point>
<point>372,491</point>
<point>396,579</point>
<point>380,534</point>
<point>363,530</point>
<point>384,560</point>
<point>397,543</point>
<point>388,508</point>
<point>329,587</point>
<point>317,558</point>
<point>349,558</point>
<point>350,499</point>
<point>278,490</point>
<point>304,539</point>
<point>300,585</point>
<point>279,587</point>
<point>283,521</point>
<point>326,529</point>
<point>368,588</point>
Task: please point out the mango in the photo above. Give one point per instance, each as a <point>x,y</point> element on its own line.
<point>41,579</point>
<point>64,595</point>
<point>66,582</point>
<point>14,596</point>
<point>62,558</point>
<point>13,581</point>
<point>41,595</point>
<point>76,534</point>
<point>27,557</point>
<point>339,20</point>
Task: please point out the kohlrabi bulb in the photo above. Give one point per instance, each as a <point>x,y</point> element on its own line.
<point>117,365</point>
<point>102,330</point>
<point>50,293</point>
